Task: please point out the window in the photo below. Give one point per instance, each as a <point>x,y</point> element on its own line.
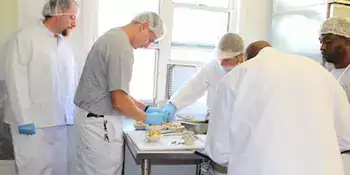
<point>211,3</point>
<point>142,82</point>
<point>193,26</point>
<point>113,13</point>
<point>197,27</point>
<point>286,5</point>
<point>192,55</point>
<point>178,74</point>
<point>288,36</point>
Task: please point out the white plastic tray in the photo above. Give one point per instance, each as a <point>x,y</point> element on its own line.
<point>138,137</point>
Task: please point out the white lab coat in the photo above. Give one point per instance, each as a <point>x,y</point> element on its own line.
<point>271,118</point>
<point>206,80</point>
<point>40,80</point>
<point>343,75</point>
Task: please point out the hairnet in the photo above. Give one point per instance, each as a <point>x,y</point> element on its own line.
<point>57,7</point>
<point>337,26</point>
<point>229,46</point>
<point>155,23</point>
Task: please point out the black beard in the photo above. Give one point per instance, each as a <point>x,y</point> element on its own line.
<point>332,58</point>
<point>65,32</point>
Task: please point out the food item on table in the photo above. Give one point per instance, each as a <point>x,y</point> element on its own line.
<point>153,134</point>
<point>140,123</point>
<point>189,137</point>
<point>165,124</point>
<point>155,128</point>
<point>175,126</point>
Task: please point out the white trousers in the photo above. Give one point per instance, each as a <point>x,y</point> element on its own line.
<point>346,163</point>
<point>98,155</point>
<point>44,153</point>
<point>72,150</point>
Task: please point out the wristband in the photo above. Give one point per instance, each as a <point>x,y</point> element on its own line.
<point>146,108</point>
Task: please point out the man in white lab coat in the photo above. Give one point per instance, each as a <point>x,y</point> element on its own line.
<point>228,53</point>
<point>270,118</point>
<point>335,49</point>
<point>40,82</point>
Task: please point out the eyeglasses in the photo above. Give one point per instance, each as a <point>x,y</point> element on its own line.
<point>72,17</point>
<point>152,36</point>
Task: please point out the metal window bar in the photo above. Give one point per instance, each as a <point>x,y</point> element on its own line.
<point>171,75</point>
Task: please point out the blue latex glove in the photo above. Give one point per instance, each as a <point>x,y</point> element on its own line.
<point>169,110</point>
<point>153,109</point>
<point>155,118</point>
<point>28,129</point>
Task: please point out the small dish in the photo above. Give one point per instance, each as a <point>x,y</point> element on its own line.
<point>189,137</point>
<point>152,136</point>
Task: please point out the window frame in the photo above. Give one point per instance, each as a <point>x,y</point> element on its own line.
<point>166,12</point>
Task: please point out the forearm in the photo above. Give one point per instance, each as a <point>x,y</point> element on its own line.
<point>126,106</point>
<point>18,91</point>
<point>190,92</point>
<point>138,104</point>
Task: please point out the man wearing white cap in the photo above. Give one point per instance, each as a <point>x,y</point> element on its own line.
<point>229,53</point>
<point>39,77</point>
<point>102,96</point>
<point>335,49</point>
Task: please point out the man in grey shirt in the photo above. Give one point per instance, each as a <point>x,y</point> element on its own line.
<point>102,96</point>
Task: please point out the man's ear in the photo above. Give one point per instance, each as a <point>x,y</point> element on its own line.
<point>240,58</point>
<point>144,26</point>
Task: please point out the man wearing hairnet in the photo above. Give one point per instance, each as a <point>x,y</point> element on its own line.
<point>270,118</point>
<point>103,96</point>
<point>40,78</point>
<point>335,49</point>
<point>229,53</point>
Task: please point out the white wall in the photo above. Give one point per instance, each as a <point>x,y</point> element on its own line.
<point>8,18</point>
<point>255,20</point>
<point>9,24</point>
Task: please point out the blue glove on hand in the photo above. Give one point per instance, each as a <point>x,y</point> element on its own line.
<point>155,118</point>
<point>153,109</point>
<point>169,110</point>
<point>28,129</point>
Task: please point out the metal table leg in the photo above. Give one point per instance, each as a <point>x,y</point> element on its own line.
<point>145,167</point>
<point>198,169</point>
<point>124,157</point>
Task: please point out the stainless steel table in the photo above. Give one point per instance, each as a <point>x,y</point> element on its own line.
<point>148,158</point>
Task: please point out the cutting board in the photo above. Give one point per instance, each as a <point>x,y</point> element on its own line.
<point>138,137</point>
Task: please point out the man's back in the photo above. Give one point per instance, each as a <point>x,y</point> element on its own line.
<point>283,117</point>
